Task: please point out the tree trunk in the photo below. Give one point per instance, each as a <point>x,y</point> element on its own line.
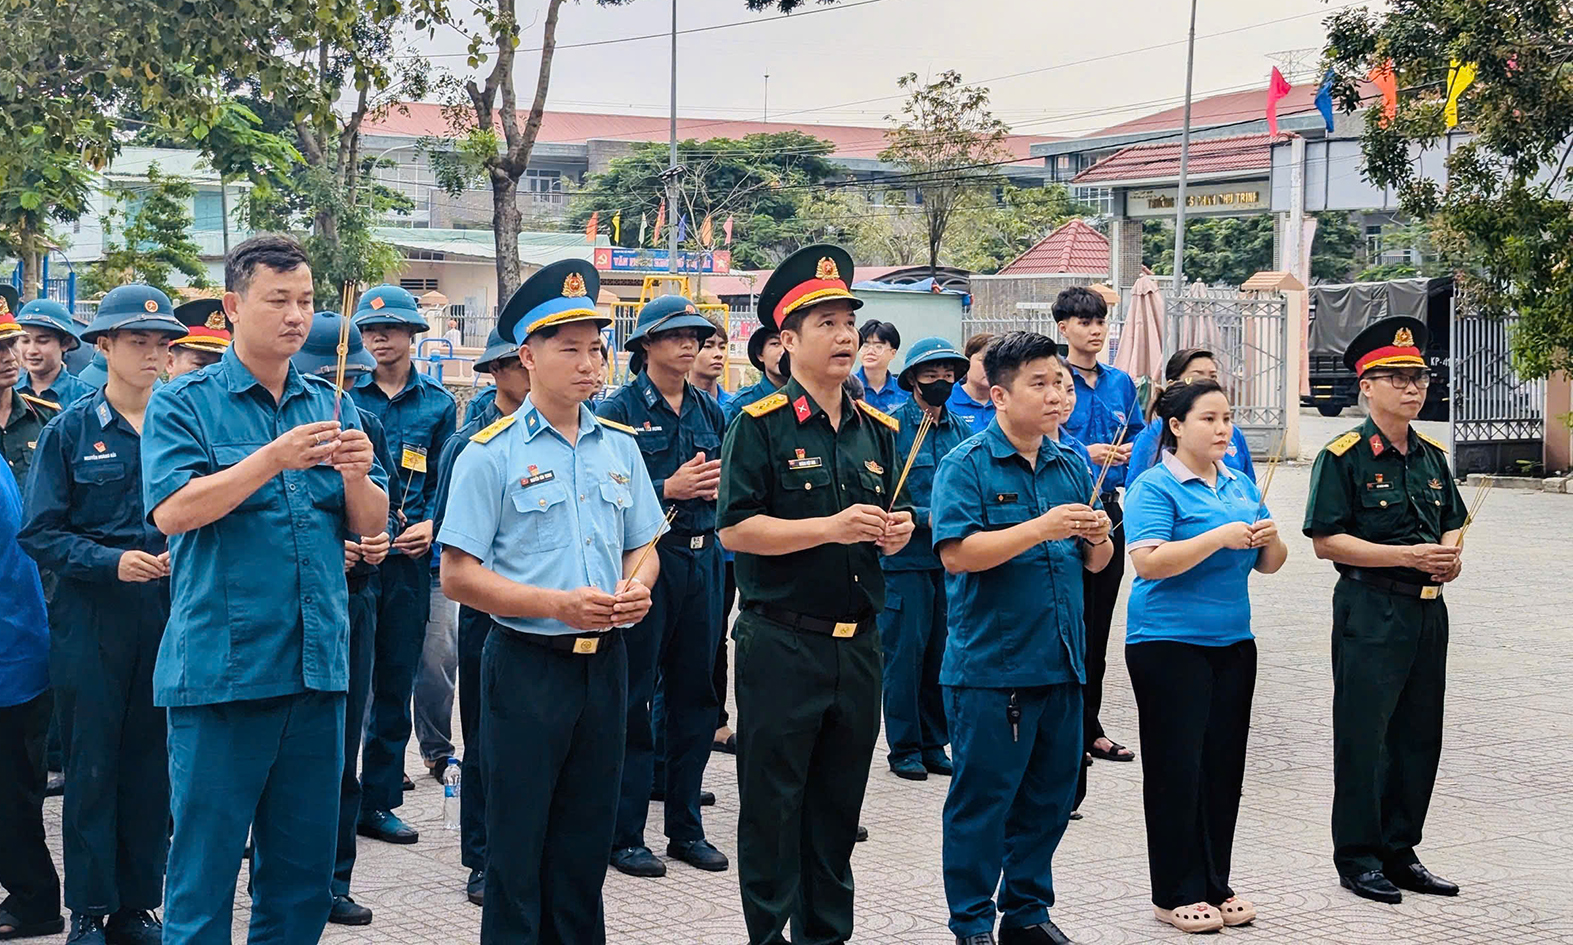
<point>506,223</point>
<point>31,262</point>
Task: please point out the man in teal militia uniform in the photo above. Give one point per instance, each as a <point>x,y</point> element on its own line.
<point>549,511</point>
<point>912,626</point>
<point>807,475</point>
<point>671,654</point>
<point>256,485</point>
<point>1384,509</point>
<point>1014,530</point>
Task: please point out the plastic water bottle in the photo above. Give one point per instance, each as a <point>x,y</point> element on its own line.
<point>451,789</point>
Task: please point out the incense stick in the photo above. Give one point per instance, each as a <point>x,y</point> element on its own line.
<point>1267,480</point>
<point>343,352</point>
<point>1108,461</point>
<point>639,562</point>
<point>1481,491</point>
<point>917,443</point>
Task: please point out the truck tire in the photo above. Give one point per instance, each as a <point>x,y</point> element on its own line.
<point>1329,410</point>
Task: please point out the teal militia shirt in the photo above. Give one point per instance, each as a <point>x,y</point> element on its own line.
<point>540,512</point>
<point>259,601</point>
<point>417,421</point>
<point>1018,624</point>
<point>1209,605</point>
<point>66,389</point>
<point>24,630</point>
<point>753,393</point>
<point>946,435</point>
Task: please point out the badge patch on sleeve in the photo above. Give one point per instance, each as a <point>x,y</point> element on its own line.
<point>413,458</point>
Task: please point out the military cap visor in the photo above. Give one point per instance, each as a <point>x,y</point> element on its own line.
<point>207,327</point>
<point>557,294</point>
<point>1396,342</point>
<point>134,307</point>
<point>813,274</point>
<point>928,352</point>
<point>49,314</point>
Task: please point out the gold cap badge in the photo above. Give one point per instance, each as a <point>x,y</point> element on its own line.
<point>1404,339</point>
<point>216,321</point>
<point>573,286</point>
<point>827,269</point>
<point>5,308</point>
<point>151,305</point>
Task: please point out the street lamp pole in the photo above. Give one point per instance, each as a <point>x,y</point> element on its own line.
<point>671,164</point>
<point>1185,160</point>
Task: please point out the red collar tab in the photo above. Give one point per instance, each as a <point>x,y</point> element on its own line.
<point>801,408</point>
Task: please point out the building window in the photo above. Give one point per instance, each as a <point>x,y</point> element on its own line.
<point>418,285</point>
<point>1099,199</point>
<point>543,182</point>
<point>1373,240</point>
<point>208,211</point>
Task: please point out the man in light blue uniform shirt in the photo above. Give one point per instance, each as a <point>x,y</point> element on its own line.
<point>244,467</point>
<point>1106,410</point>
<point>548,513</point>
<point>50,335</point>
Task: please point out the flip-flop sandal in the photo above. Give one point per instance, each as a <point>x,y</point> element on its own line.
<point>1194,918</point>
<point>1237,911</point>
<point>1112,753</point>
<point>20,929</point>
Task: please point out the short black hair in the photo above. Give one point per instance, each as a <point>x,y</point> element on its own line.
<point>1005,357</point>
<point>883,331</point>
<point>1079,302</point>
<point>1176,403</point>
<point>277,252</point>
<point>977,343</point>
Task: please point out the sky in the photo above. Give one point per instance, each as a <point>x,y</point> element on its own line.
<point>1086,65</point>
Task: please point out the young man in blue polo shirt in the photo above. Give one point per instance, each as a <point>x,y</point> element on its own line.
<point>878,343</point>
<point>1015,533</point>
<point>1106,410</point>
<point>969,399</point>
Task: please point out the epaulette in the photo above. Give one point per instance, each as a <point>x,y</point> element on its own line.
<point>1439,445</point>
<point>761,407</point>
<point>486,434</point>
<point>880,415</point>
<point>38,401</point>
<point>617,426</point>
<point>1342,445</point>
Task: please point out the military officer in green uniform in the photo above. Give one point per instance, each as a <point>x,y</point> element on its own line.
<point>1385,510</point>
<point>807,477</point>
<point>22,416</point>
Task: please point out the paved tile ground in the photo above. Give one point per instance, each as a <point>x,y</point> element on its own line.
<point>1501,823</point>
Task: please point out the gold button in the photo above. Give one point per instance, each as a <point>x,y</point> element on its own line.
<point>543,503</point>
<point>1384,503</point>
<point>808,485</point>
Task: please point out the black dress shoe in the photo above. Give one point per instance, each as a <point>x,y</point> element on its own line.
<point>384,825</point>
<point>638,861</point>
<point>699,854</point>
<point>938,763</point>
<point>1417,878</point>
<point>347,911</point>
<point>1044,933</point>
<point>1373,885</point>
<point>475,888</point>
<point>862,834</point>
<point>133,927</point>
<point>55,785</point>
<point>408,785</point>
<point>706,798</point>
<point>981,938</point>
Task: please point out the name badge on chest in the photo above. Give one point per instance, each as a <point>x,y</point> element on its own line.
<point>535,477</point>
<point>1005,497</point>
<point>809,462</point>
<point>413,458</point>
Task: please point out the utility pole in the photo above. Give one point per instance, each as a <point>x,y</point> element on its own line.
<point>1185,160</point>
<point>767,96</point>
<point>671,164</point>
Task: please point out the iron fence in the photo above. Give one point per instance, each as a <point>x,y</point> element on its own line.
<point>1498,419</point>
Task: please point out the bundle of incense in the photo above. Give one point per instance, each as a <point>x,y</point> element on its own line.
<point>1267,480</point>
<point>343,352</point>
<point>1481,491</point>
<point>639,561</point>
<point>924,426</point>
<point>1108,461</point>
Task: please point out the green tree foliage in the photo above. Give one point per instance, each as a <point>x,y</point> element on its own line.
<point>949,143</point>
<point>1502,219</point>
<point>1229,250</point>
<point>995,229</point>
<point>41,184</point>
<point>761,181</point>
<point>153,241</point>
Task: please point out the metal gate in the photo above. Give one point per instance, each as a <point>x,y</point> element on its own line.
<point>1498,419</point>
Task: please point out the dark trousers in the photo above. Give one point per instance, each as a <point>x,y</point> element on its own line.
<point>719,674</point>
<point>1194,704</point>
<point>676,644</point>
<point>1389,678</point>
<point>115,815</point>
<point>808,718</point>
<point>912,633</point>
<point>474,627</point>
<point>1009,802</point>
<point>1100,594</point>
<point>402,609</point>
<point>557,720</point>
<point>272,765</point>
<point>27,873</point>
<point>363,634</point>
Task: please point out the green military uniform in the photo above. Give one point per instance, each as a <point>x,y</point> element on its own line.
<point>807,650</point>
<point>1390,625</point>
<point>19,433</point>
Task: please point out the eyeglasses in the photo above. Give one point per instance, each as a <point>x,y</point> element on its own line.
<point>873,345</point>
<point>1406,381</point>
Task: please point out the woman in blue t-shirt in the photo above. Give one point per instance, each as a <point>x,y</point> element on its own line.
<point>1188,364</point>
<point>1196,529</point>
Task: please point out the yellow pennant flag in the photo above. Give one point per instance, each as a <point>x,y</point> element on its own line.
<point>1459,78</point>
<point>617,226</point>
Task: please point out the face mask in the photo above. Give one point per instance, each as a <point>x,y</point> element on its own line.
<point>936,393</point>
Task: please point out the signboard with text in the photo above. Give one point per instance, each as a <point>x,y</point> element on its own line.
<point>1230,199</point>
<point>715,262</point>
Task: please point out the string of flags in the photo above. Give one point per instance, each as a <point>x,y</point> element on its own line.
<point>592,228</point>
<point>1460,76</point>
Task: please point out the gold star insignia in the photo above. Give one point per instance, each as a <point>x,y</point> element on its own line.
<point>826,269</point>
<point>216,321</point>
<point>1404,339</point>
<point>573,286</point>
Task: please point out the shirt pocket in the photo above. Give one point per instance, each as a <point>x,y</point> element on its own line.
<point>806,493</point>
<point>267,495</point>
<point>325,486</point>
<point>101,489</point>
<point>544,517</point>
<point>872,486</point>
<point>708,444</point>
<point>1382,509</point>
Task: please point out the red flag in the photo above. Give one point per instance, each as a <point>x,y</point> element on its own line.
<point>727,229</point>
<point>660,221</point>
<point>1277,88</point>
<point>1383,78</point>
<point>592,227</point>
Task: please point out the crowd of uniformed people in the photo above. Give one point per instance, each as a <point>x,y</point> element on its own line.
<point>258,549</point>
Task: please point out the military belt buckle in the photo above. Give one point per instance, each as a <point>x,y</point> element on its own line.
<point>696,542</point>
<point>844,630</point>
<point>1431,592</point>
<point>585,646</point>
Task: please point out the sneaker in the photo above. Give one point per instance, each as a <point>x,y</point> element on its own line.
<point>86,929</point>
<point>133,927</point>
<point>347,911</point>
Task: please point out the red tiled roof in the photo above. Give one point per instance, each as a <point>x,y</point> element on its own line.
<point>416,119</point>
<point>1162,161</point>
<point>1073,247</point>
<point>1229,108</point>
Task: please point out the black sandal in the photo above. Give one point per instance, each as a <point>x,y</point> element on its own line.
<point>1112,753</point>
<point>728,747</point>
<point>20,929</point>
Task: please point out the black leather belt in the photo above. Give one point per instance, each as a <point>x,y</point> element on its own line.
<point>693,541</point>
<point>579,644</point>
<point>1402,588</point>
<point>841,629</point>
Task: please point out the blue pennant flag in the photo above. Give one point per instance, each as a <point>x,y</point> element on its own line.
<point>1324,99</point>
<point>682,228</point>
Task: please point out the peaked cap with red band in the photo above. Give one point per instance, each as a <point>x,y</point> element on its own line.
<point>1396,342</point>
<point>207,327</point>
<point>809,276</point>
